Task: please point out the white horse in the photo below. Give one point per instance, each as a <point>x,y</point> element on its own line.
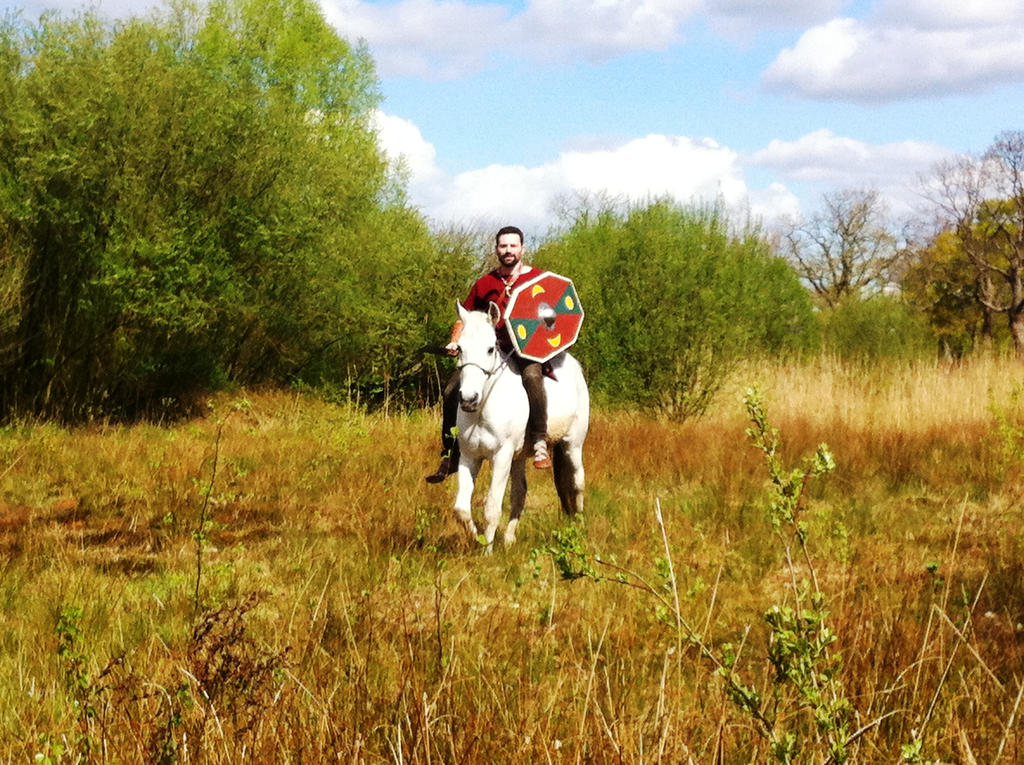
<point>493,410</point>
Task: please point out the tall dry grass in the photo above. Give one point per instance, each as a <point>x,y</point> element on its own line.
<point>275,583</point>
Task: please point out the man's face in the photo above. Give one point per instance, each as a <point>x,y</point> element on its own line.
<point>509,250</point>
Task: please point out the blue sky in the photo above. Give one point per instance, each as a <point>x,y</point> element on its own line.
<point>501,111</point>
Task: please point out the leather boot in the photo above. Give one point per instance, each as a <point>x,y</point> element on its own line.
<point>445,469</point>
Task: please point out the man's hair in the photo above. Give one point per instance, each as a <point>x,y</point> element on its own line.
<point>509,230</point>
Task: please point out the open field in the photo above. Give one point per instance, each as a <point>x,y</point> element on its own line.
<point>275,582</point>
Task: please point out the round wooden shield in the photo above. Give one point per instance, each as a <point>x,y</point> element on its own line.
<point>544,316</point>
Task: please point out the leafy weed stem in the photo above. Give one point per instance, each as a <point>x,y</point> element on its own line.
<point>743,695</point>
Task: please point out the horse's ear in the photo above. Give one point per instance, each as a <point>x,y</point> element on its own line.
<point>462,311</point>
<point>494,313</point>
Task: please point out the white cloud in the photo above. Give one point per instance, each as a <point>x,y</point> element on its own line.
<point>601,29</point>
<point>652,166</point>
<point>689,170</point>
<point>452,38</point>
<point>823,155</point>
<point>950,14</point>
<point>850,59</point>
<point>421,38</point>
<point>403,143</point>
<point>831,161</point>
<point>773,203</point>
<point>747,18</point>
<point>907,48</point>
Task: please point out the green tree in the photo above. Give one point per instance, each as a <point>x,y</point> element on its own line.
<point>194,199</point>
<point>979,202</point>
<point>396,293</point>
<point>12,261</point>
<point>673,298</point>
<point>943,284</point>
<point>1003,224</point>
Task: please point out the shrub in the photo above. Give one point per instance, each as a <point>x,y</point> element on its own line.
<point>879,327</point>
<point>199,201</point>
<point>673,298</point>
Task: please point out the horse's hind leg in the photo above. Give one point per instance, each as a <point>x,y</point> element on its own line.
<point>569,477</point>
<point>518,498</point>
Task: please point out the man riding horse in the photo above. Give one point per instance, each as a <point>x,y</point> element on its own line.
<point>496,287</point>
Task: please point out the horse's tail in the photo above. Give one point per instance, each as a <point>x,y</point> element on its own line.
<point>565,479</point>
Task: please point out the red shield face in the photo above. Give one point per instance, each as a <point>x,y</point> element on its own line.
<point>544,316</point>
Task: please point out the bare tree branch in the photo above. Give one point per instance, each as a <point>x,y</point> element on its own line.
<point>847,248</point>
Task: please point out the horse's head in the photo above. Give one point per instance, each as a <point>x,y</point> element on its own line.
<point>479,356</point>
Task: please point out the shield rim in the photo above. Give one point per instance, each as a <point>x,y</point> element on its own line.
<point>508,321</point>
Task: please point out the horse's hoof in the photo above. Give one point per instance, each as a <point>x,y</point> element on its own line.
<point>510,534</point>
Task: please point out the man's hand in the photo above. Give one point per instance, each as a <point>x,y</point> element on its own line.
<point>452,349</point>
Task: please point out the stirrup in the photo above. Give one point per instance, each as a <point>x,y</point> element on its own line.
<point>541,460</point>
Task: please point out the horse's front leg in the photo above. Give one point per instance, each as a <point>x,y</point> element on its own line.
<point>468,469</point>
<point>518,498</point>
<point>501,466</point>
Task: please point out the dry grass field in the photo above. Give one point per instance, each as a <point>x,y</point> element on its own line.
<point>274,582</point>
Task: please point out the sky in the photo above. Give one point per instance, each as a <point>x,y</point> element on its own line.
<point>510,111</point>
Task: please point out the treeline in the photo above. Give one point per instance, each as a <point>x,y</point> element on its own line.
<point>950,278</point>
<point>196,200</point>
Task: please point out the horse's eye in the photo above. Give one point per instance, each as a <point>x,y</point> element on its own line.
<point>490,351</point>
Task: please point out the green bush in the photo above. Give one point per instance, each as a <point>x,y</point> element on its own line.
<point>673,297</point>
<point>198,200</point>
<point>879,327</point>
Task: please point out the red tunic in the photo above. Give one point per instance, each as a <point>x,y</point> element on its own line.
<point>490,288</point>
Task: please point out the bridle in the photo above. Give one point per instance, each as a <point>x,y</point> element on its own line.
<point>487,373</point>
<point>502,365</point>
<point>481,367</point>
<point>504,358</point>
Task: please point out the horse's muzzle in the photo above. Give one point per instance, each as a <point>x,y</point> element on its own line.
<point>469,403</point>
